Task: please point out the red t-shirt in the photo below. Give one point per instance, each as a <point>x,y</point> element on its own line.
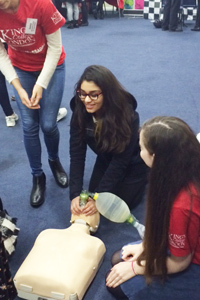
<point>184,229</point>
<point>28,51</point>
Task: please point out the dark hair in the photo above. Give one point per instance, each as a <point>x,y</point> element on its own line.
<point>114,127</point>
<point>175,166</point>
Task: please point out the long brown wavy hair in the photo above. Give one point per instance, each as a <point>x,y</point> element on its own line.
<point>114,127</point>
<point>176,165</point>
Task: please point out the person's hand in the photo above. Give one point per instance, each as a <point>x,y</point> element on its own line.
<point>36,96</point>
<point>90,208</point>
<point>24,97</point>
<point>132,252</point>
<point>75,208</point>
<point>37,93</point>
<point>120,273</point>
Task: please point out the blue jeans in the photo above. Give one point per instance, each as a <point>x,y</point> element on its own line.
<point>178,286</point>
<point>45,117</point>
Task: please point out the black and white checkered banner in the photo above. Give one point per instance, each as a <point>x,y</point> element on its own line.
<point>152,10</point>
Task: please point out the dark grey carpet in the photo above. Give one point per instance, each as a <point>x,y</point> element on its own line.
<point>161,69</point>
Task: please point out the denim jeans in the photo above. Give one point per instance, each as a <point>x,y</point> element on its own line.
<point>44,118</point>
<point>178,286</point>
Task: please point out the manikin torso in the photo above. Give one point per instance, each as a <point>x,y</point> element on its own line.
<point>62,262</point>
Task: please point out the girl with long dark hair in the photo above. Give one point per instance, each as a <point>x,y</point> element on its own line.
<point>169,256</point>
<point>105,119</point>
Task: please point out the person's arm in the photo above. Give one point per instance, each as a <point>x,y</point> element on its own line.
<point>77,151</point>
<point>123,271</point>
<point>10,74</point>
<point>116,169</point>
<point>174,264</point>
<point>5,65</point>
<point>180,256</point>
<point>132,252</point>
<point>54,50</point>
<point>22,94</point>
<point>77,165</point>
<point>120,162</point>
<point>177,264</point>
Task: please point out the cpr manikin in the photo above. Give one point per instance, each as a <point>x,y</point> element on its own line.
<point>62,262</point>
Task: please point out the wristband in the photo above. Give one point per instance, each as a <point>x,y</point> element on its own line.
<point>133,268</point>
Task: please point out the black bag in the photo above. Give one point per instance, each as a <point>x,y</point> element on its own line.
<point>8,230</point>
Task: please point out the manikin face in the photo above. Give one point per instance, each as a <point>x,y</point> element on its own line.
<point>89,87</point>
<point>144,153</point>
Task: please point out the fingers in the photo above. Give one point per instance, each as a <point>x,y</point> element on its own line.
<point>128,252</point>
<point>128,258</point>
<point>25,99</point>
<point>120,273</point>
<point>75,208</point>
<point>126,255</point>
<point>35,107</point>
<point>27,103</point>
<point>90,208</point>
<point>131,252</point>
<point>36,96</point>
<point>35,102</point>
<point>113,279</point>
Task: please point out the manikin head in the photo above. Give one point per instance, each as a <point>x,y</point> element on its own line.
<point>91,221</point>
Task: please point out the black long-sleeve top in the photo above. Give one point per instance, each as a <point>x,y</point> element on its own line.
<point>127,163</point>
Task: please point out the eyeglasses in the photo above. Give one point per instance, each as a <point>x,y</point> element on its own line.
<point>93,95</point>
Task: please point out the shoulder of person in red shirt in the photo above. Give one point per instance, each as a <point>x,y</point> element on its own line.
<point>184,228</point>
